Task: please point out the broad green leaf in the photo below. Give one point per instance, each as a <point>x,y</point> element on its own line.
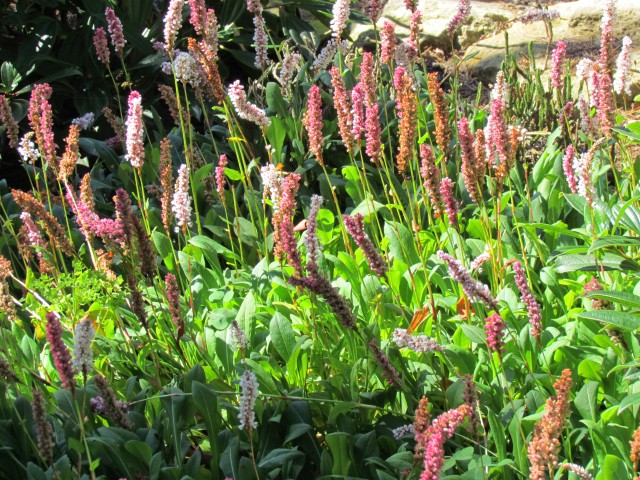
<point>589,263</point>
<point>367,207</point>
<point>585,400</point>
<point>173,401</point>
<point>246,315</point>
<point>629,401</point>
<point>626,132</point>
<point>296,431</point>
<point>474,333</point>
<point>625,299</point>
<point>401,243</point>
<point>623,320</point>
<point>613,468</point>
<point>277,457</point>
<point>275,101</point>
<point>613,241</point>
<point>206,401</point>
<point>282,336</point>
<point>340,444</point>
<point>628,214</point>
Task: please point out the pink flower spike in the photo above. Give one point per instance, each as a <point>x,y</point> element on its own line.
<point>115,30</point>
<point>312,121</point>
<point>494,328</point>
<point>135,132</point>
<point>220,178</point>
<point>621,81</point>
<point>450,203</point>
<point>533,307</point>
<point>181,202</point>
<point>102,46</point>
<point>568,162</point>
<point>388,42</point>
<point>172,24</point>
<point>340,17</point>
<point>246,110</point>
<point>557,63</point>
<point>464,9</point>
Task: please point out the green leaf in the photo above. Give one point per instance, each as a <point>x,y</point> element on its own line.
<point>275,101</point>
<point>474,333</point>
<point>628,214</point>
<point>576,201</point>
<point>558,228</point>
<point>589,263</point>
<point>401,243</point>
<point>246,315</point>
<point>624,320</point>
<point>296,431</point>
<point>585,400</point>
<point>206,401</point>
<point>139,449</point>
<point>629,401</point>
<point>613,241</point>
<point>626,132</point>
<point>173,401</point>
<point>625,299</point>
<point>340,444</point>
<point>339,409</point>
<point>9,76</point>
<point>282,336</point>
<point>367,207</point>
<point>613,468</point>
<point>277,457</point>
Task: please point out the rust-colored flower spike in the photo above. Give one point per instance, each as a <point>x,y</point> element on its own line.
<point>173,301</point>
<point>86,192</point>
<point>440,113</point>
<point>312,122</point>
<point>6,119</point>
<point>111,406</point>
<point>137,302</point>
<point>44,431</point>
<point>283,236</point>
<point>635,449</point>
<point>207,60</point>
<point>355,226</point>
<point>60,352</point>
<point>388,371</point>
<point>431,175</point>
<point>41,121</point>
<point>544,447</point>
<point>35,208</point>
<point>342,104</point>
<point>470,396</point>
<point>166,182</point>
<point>480,149</point>
<point>115,123</point>
<point>406,106</point>
<point>6,301</point>
<point>169,97</point>
<point>421,424</point>
<point>470,172</point>
<point>70,155</point>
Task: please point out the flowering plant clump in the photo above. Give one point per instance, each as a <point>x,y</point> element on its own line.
<point>245,246</point>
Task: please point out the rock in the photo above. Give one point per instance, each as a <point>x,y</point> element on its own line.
<point>578,26</point>
<point>485,18</point>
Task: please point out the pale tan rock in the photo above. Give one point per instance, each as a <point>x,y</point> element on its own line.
<point>578,26</point>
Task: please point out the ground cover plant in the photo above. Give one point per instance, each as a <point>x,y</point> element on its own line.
<point>325,264</point>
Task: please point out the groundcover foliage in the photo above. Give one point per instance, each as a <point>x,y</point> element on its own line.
<point>323,262</point>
